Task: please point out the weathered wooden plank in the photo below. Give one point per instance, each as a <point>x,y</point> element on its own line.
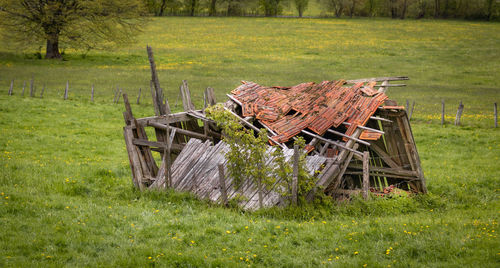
<point>460,110</point>
<point>11,88</point>
<point>157,144</point>
<point>384,156</point>
<point>295,178</point>
<point>347,136</point>
<point>137,176</point>
<point>378,79</point>
<point>66,91</point>
<point>333,142</point>
<point>189,133</point>
<point>329,174</point>
<point>395,171</point>
<point>210,96</point>
<point>366,174</point>
<point>163,108</point>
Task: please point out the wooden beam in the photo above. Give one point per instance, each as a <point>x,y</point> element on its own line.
<point>234,99</point>
<point>331,142</point>
<point>160,145</point>
<point>347,136</point>
<point>163,108</point>
<point>387,159</point>
<point>365,128</point>
<point>366,174</point>
<point>378,79</point>
<point>394,171</point>
<point>222,184</point>
<point>189,133</point>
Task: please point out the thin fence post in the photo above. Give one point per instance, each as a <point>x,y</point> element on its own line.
<point>118,98</point>
<point>442,112</point>
<point>139,96</point>
<point>32,88</point>
<point>295,178</point>
<point>222,185</point>
<point>407,105</point>
<point>460,110</point>
<point>24,85</point>
<point>66,90</point>
<point>43,90</point>
<point>366,174</point>
<point>496,115</point>
<point>411,111</point>
<point>11,87</point>
<point>92,94</point>
<point>116,93</point>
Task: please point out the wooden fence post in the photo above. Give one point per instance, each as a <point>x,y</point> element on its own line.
<point>92,94</point>
<point>11,87</point>
<point>66,90</point>
<point>407,106</point>
<point>24,85</point>
<point>411,111</point>
<point>496,115</point>
<point>116,94</point>
<point>139,96</point>
<point>222,185</point>
<point>442,112</point>
<point>119,94</point>
<point>366,174</point>
<point>460,110</point>
<point>32,92</point>
<point>43,90</point>
<point>295,178</point>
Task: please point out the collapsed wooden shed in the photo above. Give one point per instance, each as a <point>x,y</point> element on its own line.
<point>340,120</point>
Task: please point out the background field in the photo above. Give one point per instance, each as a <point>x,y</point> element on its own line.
<point>65,183</point>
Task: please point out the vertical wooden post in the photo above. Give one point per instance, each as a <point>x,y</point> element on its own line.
<point>43,90</point>
<point>259,190</point>
<point>366,174</point>
<point>442,112</point>
<point>32,92</point>
<point>11,87</point>
<point>24,85</point>
<point>411,110</point>
<point>92,94</point>
<point>167,155</point>
<point>460,110</point>
<point>116,94</point>
<point>222,185</point>
<point>66,90</point>
<point>119,94</point>
<point>407,106</point>
<point>163,108</point>
<point>295,175</point>
<point>496,114</point>
<point>139,96</point>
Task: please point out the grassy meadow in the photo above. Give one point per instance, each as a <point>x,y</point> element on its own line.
<point>65,184</point>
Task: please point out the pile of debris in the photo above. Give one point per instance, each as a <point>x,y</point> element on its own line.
<point>357,139</point>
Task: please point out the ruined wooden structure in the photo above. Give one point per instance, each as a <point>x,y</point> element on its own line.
<point>356,139</point>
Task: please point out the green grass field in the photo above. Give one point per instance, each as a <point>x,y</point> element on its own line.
<point>65,184</point>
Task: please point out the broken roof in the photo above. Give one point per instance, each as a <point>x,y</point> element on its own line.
<point>289,110</point>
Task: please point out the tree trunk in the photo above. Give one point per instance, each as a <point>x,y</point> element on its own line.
<point>403,12</point>
<point>353,6</point>
<point>162,7</point>
<point>52,51</point>
<point>436,8</point>
<point>213,8</point>
<point>193,7</point>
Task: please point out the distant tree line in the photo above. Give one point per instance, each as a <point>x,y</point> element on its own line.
<point>397,9</point>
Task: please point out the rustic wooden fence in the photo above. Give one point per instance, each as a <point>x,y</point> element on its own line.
<point>118,91</point>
